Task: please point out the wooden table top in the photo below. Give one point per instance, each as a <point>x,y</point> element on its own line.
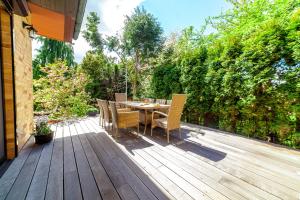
<point>143,106</point>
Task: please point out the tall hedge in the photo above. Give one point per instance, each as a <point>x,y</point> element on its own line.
<point>245,76</point>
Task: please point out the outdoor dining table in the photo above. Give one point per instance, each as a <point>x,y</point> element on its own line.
<point>143,106</point>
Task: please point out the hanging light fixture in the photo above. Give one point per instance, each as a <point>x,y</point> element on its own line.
<point>31,30</point>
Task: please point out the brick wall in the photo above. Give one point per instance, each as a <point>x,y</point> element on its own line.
<point>23,80</point>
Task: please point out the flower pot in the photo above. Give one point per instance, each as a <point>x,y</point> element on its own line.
<point>42,139</point>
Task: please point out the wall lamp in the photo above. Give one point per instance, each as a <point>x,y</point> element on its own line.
<point>31,30</point>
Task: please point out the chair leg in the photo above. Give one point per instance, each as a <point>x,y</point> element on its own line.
<point>168,136</point>
<point>151,130</point>
<point>138,130</point>
<point>180,133</point>
<point>116,133</point>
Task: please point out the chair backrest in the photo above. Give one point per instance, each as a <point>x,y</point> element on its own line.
<point>175,110</point>
<point>105,110</point>
<point>114,113</point>
<point>100,107</point>
<point>169,102</point>
<point>160,101</point>
<point>99,103</point>
<point>120,97</point>
<point>149,100</point>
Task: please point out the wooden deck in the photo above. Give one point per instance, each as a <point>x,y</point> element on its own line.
<point>84,162</point>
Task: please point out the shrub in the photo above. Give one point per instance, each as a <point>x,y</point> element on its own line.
<point>42,128</point>
<point>61,92</point>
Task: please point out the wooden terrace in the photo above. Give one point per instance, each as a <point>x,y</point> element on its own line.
<point>85,162</point>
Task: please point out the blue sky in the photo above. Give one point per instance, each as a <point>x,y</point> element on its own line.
<point>174,15</point>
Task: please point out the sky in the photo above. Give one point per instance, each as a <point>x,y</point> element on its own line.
<point>173,15</point>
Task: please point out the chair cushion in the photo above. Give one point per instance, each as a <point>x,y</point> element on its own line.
<point>161,122</point>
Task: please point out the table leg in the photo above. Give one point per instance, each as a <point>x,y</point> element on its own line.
<point>145,122</point>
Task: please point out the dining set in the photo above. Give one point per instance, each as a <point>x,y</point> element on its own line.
<point>123,113</point>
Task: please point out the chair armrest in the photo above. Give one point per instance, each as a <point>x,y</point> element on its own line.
<point>160,113</point>
<point>128,119</point>
<point>131,114</point>
<point>124,109</point>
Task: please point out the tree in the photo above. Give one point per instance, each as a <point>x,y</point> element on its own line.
<point>105,76</point>
<point>142,39</point>
<point>91,33</point>
<point>50,52</point>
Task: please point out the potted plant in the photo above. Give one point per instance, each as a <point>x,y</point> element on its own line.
<point>92,111</point>
<point>43,133</point>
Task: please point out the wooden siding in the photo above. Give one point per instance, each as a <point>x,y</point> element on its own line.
<point>8,86</point>
<point>23,80</point>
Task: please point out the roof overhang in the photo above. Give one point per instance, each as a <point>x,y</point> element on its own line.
<point>56,19</point>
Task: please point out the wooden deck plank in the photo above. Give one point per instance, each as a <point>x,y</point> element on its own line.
<point>9,177</point>
<point>252,156</point>
<point>107,190</point>
<point>214,184</point>
<point>151,184</point>
<point>172,191</point>
<point>114,174</point>
<point>259,169</point>
<point>22,183</point>
<point>37,189</point>
<point>258,181</point>
<point>72,189</point>
<point>88,185</point>
<point>206,164</point>
<point>229,176</point>
<point>55,187</point>
<point>189,167</point>
<point>142,191</point>
<point>205,189</point>
<point>166,184</point>
<point>245,189</point>
<point>278,153</point>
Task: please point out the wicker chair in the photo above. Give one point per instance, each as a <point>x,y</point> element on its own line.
<point>106,116</point>
<point>160,101</point>
<point>169,102</point>
<point>171,121</point>
<point>149,117</point>
<point>149,100</point>
<point>119,97</point>
<point>123,119</point>
<point>101,115</point>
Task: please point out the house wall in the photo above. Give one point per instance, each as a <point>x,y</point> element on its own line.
<point>23,80</point>
<point>17,82</point>
<point>8,85</point>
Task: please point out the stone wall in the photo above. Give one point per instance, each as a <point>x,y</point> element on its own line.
<point>23,80</point>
